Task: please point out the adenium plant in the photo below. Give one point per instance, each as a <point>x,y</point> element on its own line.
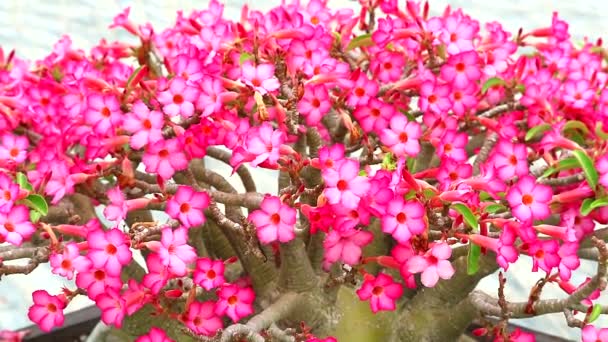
<point>415,155</point>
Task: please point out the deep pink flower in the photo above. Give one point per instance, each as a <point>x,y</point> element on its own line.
<point>528,200</point>
<point>314,104</point>
<point>434,264</point>
<point>112,307</point>
<point>158,274</point>
<point>381,291</point>
<point>345,245</point>
<point>510,159</point>
<point>456,30</point>
<point>578,94</point>
<point>109,249</point>
<point>402,136</point>
<point>602,168</point>
<point>103,113</point>
<point>375,115</point>
<point>155,335</point>
<point>188,205</point>
<point>145,125</point>
<point>136,296</point>
<point>179,99</point>
<point>462,69</point>
<point>263,144</point>
<point>453,145</point>
<point>544,254</point>
<point>96,281</point>
<point>403,219</point>
<point>47,311</point>
<point>202,319</point>
<point>320,218</point>
<point>209,273</point>
<point>165,157</point>
<point>517,335</point>
<point>173,249</point>
<point>434,97</point>
<point>119,206</point>
<point>15,225</point>
<point>235,302</point>
<point>343,184</point>
<point>388,66</point>
<point>9,192</point>
<point>331,156</point>
<point>13,148</point>
<point>260,77</point>
<point>363,90</point>
<point>274,220</point>
<point>593,334</point>
<point>569,259</point>
<point>402,253</point>
<point>212,95</point>
<point>70,260</point>
<point>451,171</point>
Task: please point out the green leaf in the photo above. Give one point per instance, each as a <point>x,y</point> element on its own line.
<point>491,82</point>
<point>467,214</point>
<point>588,168</point>
<point>494,208</point>
<point>595,313</point>
<point>363,40</point>
<point>562,165</point>
<point>35,216</point>
<point>473,259</point>
<point>586,206</point>
<point>21,179</point>
<point>536,131</point>
<point>37,203</point>
<point>575,124</point>
<point>245,56</point>
<point>599,131</point>
<point>362,173</point>
<point>600,202</point>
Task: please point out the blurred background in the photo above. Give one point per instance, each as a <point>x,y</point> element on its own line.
<point>33,26</point>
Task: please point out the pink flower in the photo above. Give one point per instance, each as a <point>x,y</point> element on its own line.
<point>103,113</point>
<point>434,97</point>
<point>202,319</point>
<point>528,200</point>
<point>344,186</point>
<point>96,281</point>
<point>510,159</point>
<point>136,296</point>
<point>260,77</point>
<point>145,125</point>
<point>179,99</point>
<point>158,274</point>
<point>381,291</point>
<point>274,220</point>
<point>155,335</point>
<point>174,250</point>
<point>263,144</point>
<point>602,168</point>
<point>569,260</point>
<point>457,31</point>
<point>345,245</point>
<point>453,145</point>
<point>593,334</point>
<point>544,254</point>
<point>235,302</point>
<point>451,171</point>
<point>187,206</point>
<point>13,148</point>
<point>330,156</point>
<point>66,263</point>
<point>578,94</point>
<point>402,137</point>
<point>112,307</point>
<point>363,90</point>
<point>403,219</point>
<point>117,209</point>
<point>374,116</point>
<point>388,66</point>
<point>212,95</point>
<point>314,104</point>
<point>165,157</point>
<point>9,192</point>
<point>517,335</point>
<point>109,249</point>
<point>433,265</point>
<point>402,253</point>
<point>47,311</point>
<point>209,273</point>
<point>462,69</point>
<point>15,225</point>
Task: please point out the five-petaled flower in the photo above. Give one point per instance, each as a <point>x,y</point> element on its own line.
<point>274,220</point>
<point>47,311</point>
<point>529,200</point>
<point>381,291</point>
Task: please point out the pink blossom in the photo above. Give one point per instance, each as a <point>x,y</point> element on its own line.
<point>165,157</point>
<point>569,260</point>
<point>330,156</point>
<point>158,274</point>
<point>375,115</point>
<point>155,335</point>
<point>434,264</point>
<point>593,334</point>
<point>15,225</point>
<point>544,254</point>
<point>528,200</point>
<point>70,260</point>
<point>363,90</point>
<point>263,144</point>
<point>402,137</point>
<point>462,69</point>
<point>136,296</point>
<point>402,253</point>
<point>510,159</point>
<point>145,125</point>
<point>117,209</point>
<point>319,217</point>
<point>47,311</point>
<point>602,168</point>
<point>112,307</point>
<point>578,94</point>
<point>344,186</point>
<point>261,77</point>
<point>235,302</point>
<point>209,273</point>
<point>345,245</point>
<point>453,145</point>
<point>457,31</point>
<point>109,249</point>
<point>451,171</point>
<point>517,335</point>
<point>381,291</point>
<point>388,66</point>
<point>188,205</point>
<point>96,281</point>
<point>434,97</point>
<point>403,219</point>
<point>103,113</point>
<point>179,99</point>
<point>202,319</point>
<point>174,250</point>
<point>274,220</point>
<point>314,104</point>
<point>9,192</point>
<point>13,148</point>
<point>212,95</point>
